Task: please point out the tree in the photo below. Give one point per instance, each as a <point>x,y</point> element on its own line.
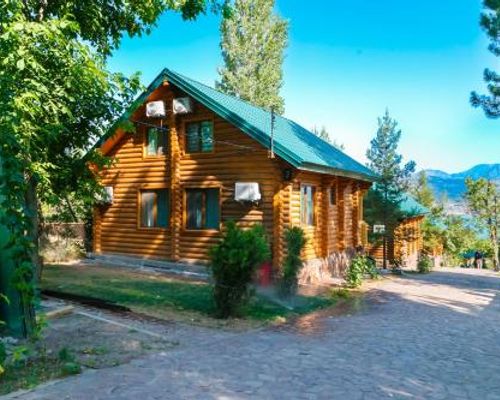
<point>460,239</point>
<point>383,200</point>
<point>483,199</point>
<point>422,192</point>
<point>103,23</point>
<point>325,135</point>
<point>253,42</point>
<point>56,98</point>
<point>490,22</point>
<point>432,226</point>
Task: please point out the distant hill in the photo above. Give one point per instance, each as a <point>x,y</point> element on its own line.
<point>453,185</point>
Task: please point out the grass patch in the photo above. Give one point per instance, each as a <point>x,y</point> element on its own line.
<point>30,374</point>
<point>161,296</point>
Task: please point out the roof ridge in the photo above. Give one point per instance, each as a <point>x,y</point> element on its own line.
<point>221,92</point>
<point>248,103</point>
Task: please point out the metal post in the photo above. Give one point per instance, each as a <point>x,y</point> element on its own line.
<point>273,117</point>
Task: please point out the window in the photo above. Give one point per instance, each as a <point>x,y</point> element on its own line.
<point>154,208</point>
<point>333,196</point>
<point>202,209</point>
<point>307,193</point>
<point>156,140</point>
<point>199,137</point>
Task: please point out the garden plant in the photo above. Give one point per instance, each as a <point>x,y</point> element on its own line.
<point>233,264</point>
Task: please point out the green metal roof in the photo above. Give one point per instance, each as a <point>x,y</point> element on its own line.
<point>293,143</point>
<point>411,207</point>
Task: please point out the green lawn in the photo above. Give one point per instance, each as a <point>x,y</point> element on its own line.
<point>161,296</point>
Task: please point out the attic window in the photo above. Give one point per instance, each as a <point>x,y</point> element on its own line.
<point>156,140</point>
<point>199,137</point>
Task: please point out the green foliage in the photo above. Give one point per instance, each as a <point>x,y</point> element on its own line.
<point>71,368</point>
<point>65,355</point>
<point>424,264</point>
<point>103,23</point>
<point>360,267</point>
<point>483,199</point>
<point>490,22</point>
<point>341,293</point>
<point>387,162</point>
<point>422,192</point>
<point>383,199</point>
<point>56,99</point>
<point>233,264</point>
<point>295,241</point>
<point>432,226</point>
<point>460,237</point>
<point>253,43</point>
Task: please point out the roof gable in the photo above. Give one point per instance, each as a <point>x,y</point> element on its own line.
<point>293,143</point>
<point>411,207</point>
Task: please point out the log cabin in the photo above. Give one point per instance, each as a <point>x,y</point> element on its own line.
<point>206,158</point>
<point>405,241</point>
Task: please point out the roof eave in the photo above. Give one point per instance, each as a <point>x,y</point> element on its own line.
<point>336,171</point>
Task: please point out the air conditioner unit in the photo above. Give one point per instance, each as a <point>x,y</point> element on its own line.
<point>247,191</point>
<point>182,105</point>
<point>155,109</point>
<point>106,197</point>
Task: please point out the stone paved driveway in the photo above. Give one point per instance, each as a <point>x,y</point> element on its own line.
<point>419,337</point>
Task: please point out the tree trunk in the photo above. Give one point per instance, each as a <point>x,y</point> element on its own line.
<point>32,208</point>
<point>494,242</point>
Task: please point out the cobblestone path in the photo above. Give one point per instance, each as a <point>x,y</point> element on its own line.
<point>435,336</point>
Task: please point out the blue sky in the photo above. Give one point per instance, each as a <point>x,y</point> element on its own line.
<point>349,60</point>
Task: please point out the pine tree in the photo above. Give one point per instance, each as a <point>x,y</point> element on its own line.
<point>322,133</point>
<point>422,192</point>
<point>490,22</point>
<point>325,135</point>
<point>387,162</point>
<point>383,200</point>
<point>253,43</point>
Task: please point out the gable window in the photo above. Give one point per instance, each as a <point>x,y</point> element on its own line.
<point>333,196</point>
<point>154,208</point>
<point>156,142</point>
<point>199,137</point>
<point>307,194</point>
<point>202,208</point>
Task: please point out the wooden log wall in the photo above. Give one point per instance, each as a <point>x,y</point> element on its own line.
<point>117,225</point>
<point>236,158</point>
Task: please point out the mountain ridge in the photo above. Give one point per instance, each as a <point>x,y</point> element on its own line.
<point>452,185</point>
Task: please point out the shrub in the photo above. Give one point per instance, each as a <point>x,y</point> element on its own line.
<point>233,263</point>
<point>360,267</point>
<point>340,293</point>
<point>424,264</point>
<point>295,242</point>
<point>71,368</point>
<point>65,355</point>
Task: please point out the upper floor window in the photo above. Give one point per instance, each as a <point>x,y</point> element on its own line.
<point>202,208</point>
<point>307,194</point>
<point>199,137</point>
<point>156,142</point>
<point>154,208</point>
<point>333,196</point>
